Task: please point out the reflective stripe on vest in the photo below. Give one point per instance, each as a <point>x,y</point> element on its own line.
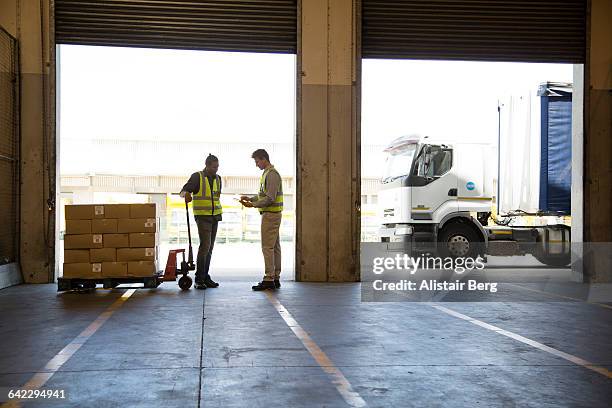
<point>277,206</point>
<point>207,202</point>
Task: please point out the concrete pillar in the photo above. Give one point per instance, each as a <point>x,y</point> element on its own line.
<point>598,142</point>
<point>577,200</point>
<point>328,172</point>
<point>29,22</point>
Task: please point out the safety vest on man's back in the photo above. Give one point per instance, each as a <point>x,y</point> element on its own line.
<point>207,201</point>
<point>277,206</point>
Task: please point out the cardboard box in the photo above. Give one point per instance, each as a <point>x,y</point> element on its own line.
<point>104,226</point>
<point>82,270</point>
<point>79,212</point>
<point>143,211</point>
<point>76,256</point>
<point>136,254</point>
<point>142,268</point>
<point>83,241</point>
<point>115,211</point>
<point>103,255</point>
<point>78,227</point>
<point>114,269</point>
<point>111,211</point>
<point>143,240</point>
<point>116,240</point>
<point>127,225</point>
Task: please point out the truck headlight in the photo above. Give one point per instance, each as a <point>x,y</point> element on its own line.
<point>407,230</point>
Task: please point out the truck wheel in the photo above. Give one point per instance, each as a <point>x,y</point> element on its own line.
<point>553,260</point>
<point>458,240</point>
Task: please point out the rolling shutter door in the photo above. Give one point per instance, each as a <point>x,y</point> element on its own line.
<point>222,25</point>
<point>9,149</point>
<point>488,30</point>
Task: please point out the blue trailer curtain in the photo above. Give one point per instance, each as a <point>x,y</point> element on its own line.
<point>556,149</point>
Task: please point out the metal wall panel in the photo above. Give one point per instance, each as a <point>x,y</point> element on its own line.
<point>9,149</point>
<point>222,25</point>
<point>488,30</point>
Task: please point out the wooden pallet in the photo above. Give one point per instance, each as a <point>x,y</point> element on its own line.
<point>65,284</point>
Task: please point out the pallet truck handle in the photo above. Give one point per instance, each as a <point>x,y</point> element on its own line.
<point>190,257</point>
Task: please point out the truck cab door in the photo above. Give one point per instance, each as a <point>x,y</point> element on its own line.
<point>433,183</point>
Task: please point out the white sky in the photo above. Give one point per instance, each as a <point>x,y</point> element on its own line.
<point>145,94</point>
<point>447,99</point>
<point>134,93</point>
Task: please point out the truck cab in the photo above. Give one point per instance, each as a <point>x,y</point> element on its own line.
<point>431,189</point>
<point>438,197</point>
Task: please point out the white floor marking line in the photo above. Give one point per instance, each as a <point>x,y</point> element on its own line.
<point>351,397</point>
<point>40,379</point>
<point>560,296</point>
<point>576,360</point>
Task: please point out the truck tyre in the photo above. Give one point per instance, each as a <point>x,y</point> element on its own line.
<point>459,240</point>
<point>555,261</point>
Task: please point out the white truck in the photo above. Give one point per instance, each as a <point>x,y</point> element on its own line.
<point>444,198</point>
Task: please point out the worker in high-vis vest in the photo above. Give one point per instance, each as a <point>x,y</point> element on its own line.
<point>269,202</point>
<point>203,190</point>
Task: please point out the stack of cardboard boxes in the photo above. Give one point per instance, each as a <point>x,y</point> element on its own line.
<point>110,241</point>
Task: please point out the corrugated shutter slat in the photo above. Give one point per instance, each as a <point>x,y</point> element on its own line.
<point>494,30</point>
<point>248,26</point>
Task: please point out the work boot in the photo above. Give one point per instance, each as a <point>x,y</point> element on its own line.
<point>200,285</point>
<point>210,283</point>
<point>264,285</point>
<point>277,283</point>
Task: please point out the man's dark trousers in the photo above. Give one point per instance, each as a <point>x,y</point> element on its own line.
<point>207,230</point>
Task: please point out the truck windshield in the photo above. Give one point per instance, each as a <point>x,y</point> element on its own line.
<point>398,163</point>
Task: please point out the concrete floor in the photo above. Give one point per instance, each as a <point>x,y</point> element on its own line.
<point>229,347</point>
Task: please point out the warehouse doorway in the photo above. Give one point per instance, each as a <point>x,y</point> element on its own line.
<point>135,123</point>
<point>480,103</point>
<point>501,32</point>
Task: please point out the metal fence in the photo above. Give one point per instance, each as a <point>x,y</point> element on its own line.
<point>9,149</point>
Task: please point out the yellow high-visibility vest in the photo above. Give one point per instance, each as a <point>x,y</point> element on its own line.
<point>277,206</point>
<point>207,201</point>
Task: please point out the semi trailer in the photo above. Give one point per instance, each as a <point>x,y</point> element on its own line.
<point>508,198</point>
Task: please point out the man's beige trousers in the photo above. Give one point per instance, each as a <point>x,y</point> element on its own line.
<point>270,244</point>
